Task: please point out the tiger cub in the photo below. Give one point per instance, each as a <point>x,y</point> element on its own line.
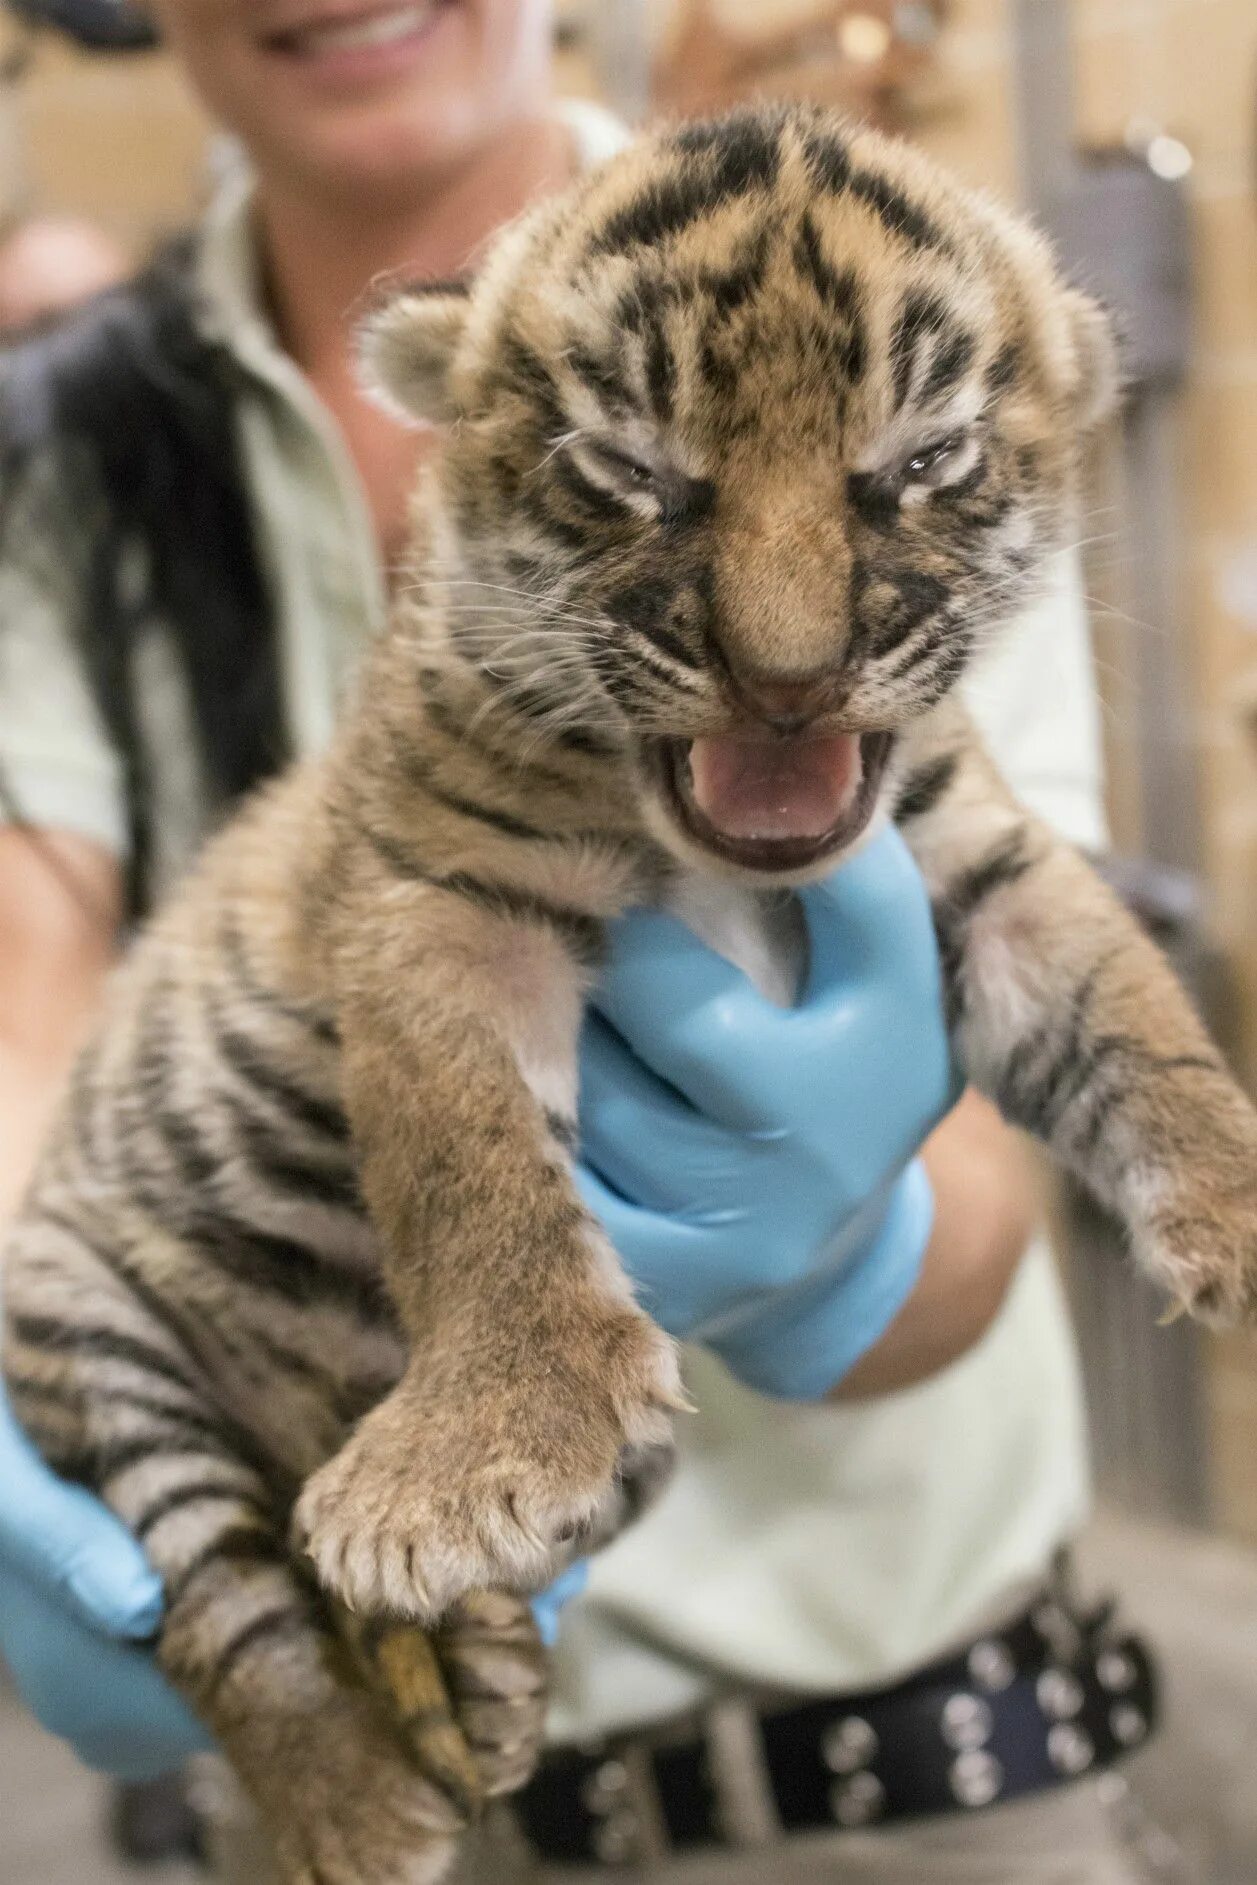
<point>752,439</point>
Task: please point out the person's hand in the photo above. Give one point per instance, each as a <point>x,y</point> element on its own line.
<point>79,1603</point>
<point>754,1166</point>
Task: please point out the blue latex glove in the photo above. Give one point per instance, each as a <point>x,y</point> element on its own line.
<point>79,1599</point>
<point>754,1166</point>
<point>547,1607</point>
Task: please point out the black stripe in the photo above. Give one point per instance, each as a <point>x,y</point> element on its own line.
<point>876,500</point>
<point>918,596</point>
<point>731,288</point>
<point>199,1209</point>
<point>522,369</point>
<point>115,1263</point>
<point>563,1129</point>
<point>64,1395</point>
<point>644,608</point>
<point>419,768</point>
<point>95,1465</point>
<point>582,933</point>
<point>210,1225</point>
<point>952,360</point>
<point>661,369</point>
<point>176,1498</point>
<point>43,1332</point>
<point>237,1544</point>
<point>195,1165</point>
<point>1004,368</point>
<point>985,517</point>
<point>534,506</point>
<point>829,161</point>
<point>236,960</point>
<point>1175,1063</point>
<point>718,370</point>
<point>162,1312</point>
<point>1004,864</point>
<point>728,161</point>
<point>924,787</point>
<point>594,502</point>
<point>207,1428</point>
<point>896,212</point>
<point>920,315</point>
<point>287,1619</point>
<point>837,289</point>
<point>475,738</point>
<point>604,376</point>
<point>943,658</point>
<point>285,1167</point>
<point>286,1268</point>
<point>668,644</point>
<point>751,128</point>
<point>581,740</point>
<point>248,1061</point>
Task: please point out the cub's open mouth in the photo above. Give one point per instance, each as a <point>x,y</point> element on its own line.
<point>773,804</point>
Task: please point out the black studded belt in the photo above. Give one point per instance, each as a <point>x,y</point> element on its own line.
<point>1052,1697</point>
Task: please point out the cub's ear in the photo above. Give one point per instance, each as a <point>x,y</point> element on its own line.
<point>1097,378</point>
<point>406,349</point>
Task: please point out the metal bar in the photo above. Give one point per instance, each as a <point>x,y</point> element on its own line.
<point>1168,784</point>
<point>620,37</point>
<point>1145,1385</point>
<point>1043,99</point>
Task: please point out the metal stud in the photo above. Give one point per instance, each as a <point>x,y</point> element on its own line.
<point>1129,1724</point>
<point>1116,1671</point>
<point>858,1800</point>
<point>1070,1749</point>
<point>1058,1630</point>
<point>849,1744</point>
<point>992,1667</point>
<point>1060,1694</point>
<point>605,1787</point>
<point>975,1778</point>
<point>967,1722</point>
<point>615,1841</point>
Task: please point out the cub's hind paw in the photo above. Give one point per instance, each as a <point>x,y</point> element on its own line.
<point>430,1499</point>
<point>344,1806</point>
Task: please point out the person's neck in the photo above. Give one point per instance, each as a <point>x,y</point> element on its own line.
<point>321,252</point>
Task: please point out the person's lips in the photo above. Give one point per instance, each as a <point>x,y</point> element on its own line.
<point>348,32</point>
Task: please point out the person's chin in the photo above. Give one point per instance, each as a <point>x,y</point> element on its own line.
<point>385,154</point>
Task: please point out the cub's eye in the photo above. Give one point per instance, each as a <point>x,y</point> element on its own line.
<point>936,463</point>
<point>626,465</point>
<point>651,488</point>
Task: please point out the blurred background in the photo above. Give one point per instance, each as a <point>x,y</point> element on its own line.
<point>1130,128</point>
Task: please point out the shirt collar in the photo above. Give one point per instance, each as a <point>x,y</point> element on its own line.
<point>233,308</point>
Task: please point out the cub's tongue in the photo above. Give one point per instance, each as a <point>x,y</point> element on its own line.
<point>757,788</point>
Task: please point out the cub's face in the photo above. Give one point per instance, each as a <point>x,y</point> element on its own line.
<point>753,439</point>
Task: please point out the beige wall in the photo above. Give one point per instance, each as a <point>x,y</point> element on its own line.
<point>116,139</point>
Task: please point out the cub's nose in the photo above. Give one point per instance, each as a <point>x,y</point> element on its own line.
<point>787,705</point>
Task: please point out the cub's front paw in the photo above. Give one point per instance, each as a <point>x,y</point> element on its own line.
<point>1199,1238</point>
<point>497,1477</point>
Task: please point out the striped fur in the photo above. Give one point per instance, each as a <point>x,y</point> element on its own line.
<point>763,411</point>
